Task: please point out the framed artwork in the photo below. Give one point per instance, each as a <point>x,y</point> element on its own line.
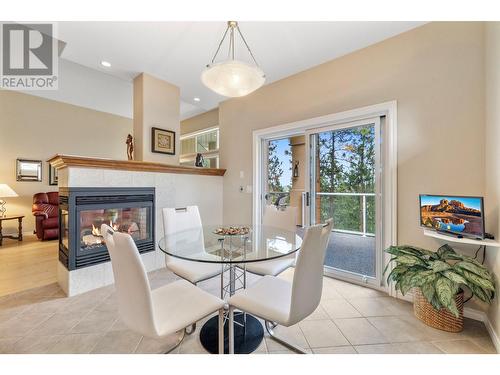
<point>162,141</point>
<point>53,180</point>
<point>28,170</point>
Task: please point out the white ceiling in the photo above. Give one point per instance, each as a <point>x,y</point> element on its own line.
<point>178,51</point>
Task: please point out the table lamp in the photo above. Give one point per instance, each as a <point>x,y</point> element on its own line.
<point>5,191</point>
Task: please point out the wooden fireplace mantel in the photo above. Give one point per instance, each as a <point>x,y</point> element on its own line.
<point>63,161</point>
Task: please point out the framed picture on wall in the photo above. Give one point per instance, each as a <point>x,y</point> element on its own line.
<point>53,180</point>
<point>162,141</point>
<point>28,170</point>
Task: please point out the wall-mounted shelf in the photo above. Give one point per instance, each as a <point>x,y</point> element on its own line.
<point>466,241</point>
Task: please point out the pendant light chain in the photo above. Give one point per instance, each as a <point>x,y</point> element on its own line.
<point>220,44</point>
<point>231,43</point>
<point>246,44</point>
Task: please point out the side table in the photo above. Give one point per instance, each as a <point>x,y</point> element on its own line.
<point>19,236</point>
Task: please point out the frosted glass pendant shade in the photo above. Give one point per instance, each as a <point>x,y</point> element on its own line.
<point>233,78</point>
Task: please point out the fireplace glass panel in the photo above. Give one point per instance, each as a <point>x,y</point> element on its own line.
<point>64,228</point>
<point>131,220</point>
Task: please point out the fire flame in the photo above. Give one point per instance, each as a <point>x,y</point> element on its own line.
<point>97,231</point>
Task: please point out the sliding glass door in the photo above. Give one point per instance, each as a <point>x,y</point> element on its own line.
<point>344,184</point>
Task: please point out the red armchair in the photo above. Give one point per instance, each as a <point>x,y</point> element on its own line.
<point>46,211</point>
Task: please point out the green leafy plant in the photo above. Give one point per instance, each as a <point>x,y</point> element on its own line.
<point>439,275</point>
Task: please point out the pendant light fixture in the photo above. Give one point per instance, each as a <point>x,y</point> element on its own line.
<point>233,78</point>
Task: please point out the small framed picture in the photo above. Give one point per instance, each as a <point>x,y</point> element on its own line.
<point>162,141</point>
<point>52,175</point>
<point>28,170</point>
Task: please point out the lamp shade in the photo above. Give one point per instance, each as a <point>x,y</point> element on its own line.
<point>6,191</point>
<point>233,78</point>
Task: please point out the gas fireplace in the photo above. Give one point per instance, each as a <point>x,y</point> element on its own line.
<point>82,211</point>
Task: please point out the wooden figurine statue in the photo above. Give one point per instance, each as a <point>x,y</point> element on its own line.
<point>130,147</point>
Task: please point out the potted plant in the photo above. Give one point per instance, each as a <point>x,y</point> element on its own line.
<point>438,279</point>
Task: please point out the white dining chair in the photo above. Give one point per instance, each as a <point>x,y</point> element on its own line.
<point>281,219</point>
<point>176,220</point>
<point>160,312</point>
<point>278,301</point>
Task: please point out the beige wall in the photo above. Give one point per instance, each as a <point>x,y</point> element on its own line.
<point>492,199</point>
<point>435,72</point>
<point>199,122</point>
<point>37,128</point>
<point>156,104</point>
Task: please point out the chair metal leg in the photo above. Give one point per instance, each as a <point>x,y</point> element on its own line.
<point>221,331</point>
<point>191,331</point>
<point>270,329</point>
<point>231,330</point>
<point>179,340</point>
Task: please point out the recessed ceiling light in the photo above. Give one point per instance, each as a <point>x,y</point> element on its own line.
<point>196,99</point>
<point>105,64</point>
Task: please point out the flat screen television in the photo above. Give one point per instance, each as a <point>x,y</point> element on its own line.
<point>456,215</point>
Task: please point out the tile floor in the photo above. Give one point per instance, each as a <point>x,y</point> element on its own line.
<point>350,319</point>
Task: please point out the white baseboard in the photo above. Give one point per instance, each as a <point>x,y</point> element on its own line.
<point>494,337</point>
<point>483,317</point>
<point>475,314</point>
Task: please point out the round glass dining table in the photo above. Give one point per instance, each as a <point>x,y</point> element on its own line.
<point>232,247</point>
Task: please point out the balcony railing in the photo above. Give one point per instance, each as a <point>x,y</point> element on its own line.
<point>273,196</point>
<point>352,212</point>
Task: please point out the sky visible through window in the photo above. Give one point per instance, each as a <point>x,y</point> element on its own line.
<point>283,152</point>
<point>471,202</point>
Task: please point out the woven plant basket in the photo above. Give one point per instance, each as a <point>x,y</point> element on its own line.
<point>442,319</point>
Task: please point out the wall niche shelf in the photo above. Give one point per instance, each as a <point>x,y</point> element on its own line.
<point>465,241</point>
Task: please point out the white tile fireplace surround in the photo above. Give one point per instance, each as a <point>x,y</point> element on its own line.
<point>175,186</point>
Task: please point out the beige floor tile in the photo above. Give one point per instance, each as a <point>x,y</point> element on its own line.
<point>291,334</point>
<point>7,345</point>
<point>76,343</point>
<point>157,346</point>
<point>117,342</point>
<point>284,350</point>
<point>95,322</point>
<point>472,329</point>
<point>339,308</point>
<point>373,306</point>
<point>418,348</point>
<point>119,325</point>
<point>335,350</point>
<point>50,305</point>
<point>192,345</point>
<point>110,304</point>
<point>57,324</point>
<point>318,314</point>
<point>329,290</point>
<point>485,343</point>
<point>348,290</point>
<point>322,333</point>
<point>459,347</point>
<point>22,324</point>
<point>36,344</point>
<point>377,349</point>
<point>396,329</point>
<point>398,306</point>
<point>7,315</point>
<point>359,331</point>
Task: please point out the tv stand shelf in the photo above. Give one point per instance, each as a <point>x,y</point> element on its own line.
<point>465,240</point>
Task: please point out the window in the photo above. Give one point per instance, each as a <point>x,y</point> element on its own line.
<point>205,142</point>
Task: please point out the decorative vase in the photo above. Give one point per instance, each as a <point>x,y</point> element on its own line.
<point>441,319</point>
